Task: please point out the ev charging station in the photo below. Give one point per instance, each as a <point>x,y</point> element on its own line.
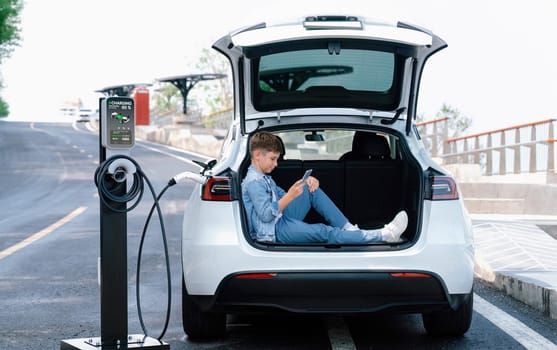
<point>117,138</point>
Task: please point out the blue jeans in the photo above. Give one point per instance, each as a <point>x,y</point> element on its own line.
<point>291,228</point>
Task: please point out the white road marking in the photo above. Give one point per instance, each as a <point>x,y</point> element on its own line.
<point>339,334</point>
<point>24,243</point>
<point>171,155</point>
<point>510,325</point>
<point>143,142</point>
<point>340,338</point>
<point>180,150</point>
<point>90,127</point>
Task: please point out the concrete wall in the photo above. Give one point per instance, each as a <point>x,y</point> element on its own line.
<point>181,137</point>
<point>508,198</point>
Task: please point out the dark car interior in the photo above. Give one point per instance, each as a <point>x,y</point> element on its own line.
<point>366,183</point>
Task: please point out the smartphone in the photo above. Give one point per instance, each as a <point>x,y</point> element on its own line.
<point>306,175</point>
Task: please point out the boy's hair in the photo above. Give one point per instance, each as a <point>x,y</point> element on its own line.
<point>265,141</point>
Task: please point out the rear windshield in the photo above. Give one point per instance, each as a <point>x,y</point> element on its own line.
<point>329,77</point>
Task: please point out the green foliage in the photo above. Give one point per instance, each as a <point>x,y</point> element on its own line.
<point>209,98</point>
<point>9,36</point>
<point>4,110</point>
<point>218,92</point>
<point>167,99</point>
<point>9,26</point>
<point>435,134</point>
<point>458,123</point>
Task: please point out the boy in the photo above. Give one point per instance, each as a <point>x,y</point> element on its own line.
<point>275,215</point>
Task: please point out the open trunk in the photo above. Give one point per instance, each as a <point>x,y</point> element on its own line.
<point>369,188</point>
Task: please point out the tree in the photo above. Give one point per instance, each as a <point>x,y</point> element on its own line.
<point>4,110</point>
<point>9,35</point>
<point>208,98</point>
<point>458,123</point>
<point>435,134</point>
<point>218,92</point>
<point>9,26</point>
<point>167,99</point>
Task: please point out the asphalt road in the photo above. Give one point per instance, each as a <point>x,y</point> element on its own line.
<point>49,247</point>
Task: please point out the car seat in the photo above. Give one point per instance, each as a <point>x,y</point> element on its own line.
<point>368,146</point>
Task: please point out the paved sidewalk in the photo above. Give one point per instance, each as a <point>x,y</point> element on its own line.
<point>519,258</point>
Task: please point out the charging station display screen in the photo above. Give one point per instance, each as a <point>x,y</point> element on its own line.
<point>118,123</point>
<point>121,137</point>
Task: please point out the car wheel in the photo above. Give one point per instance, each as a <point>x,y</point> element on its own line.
<point>198,324</point>
<point>452,322</point>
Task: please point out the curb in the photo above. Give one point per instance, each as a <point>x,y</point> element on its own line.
<point>530,291</point>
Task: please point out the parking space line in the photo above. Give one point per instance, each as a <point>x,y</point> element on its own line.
<point>24,243</point>
<point>339,334</point>
<point>510,325</point>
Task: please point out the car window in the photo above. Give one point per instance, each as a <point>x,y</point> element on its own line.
<point>326,144</point>
<point>360,70</point>
<point>334,143</point>
<point>316,77</point>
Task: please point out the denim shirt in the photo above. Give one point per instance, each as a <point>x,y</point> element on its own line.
<point>261,194</point>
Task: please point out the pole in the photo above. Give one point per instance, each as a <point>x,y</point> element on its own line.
<point>113,270</point>
<point>113,263</point>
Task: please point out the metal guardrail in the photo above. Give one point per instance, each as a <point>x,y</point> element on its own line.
<point>513,150</point>
<point>524,148</point>
<point>433,134</point>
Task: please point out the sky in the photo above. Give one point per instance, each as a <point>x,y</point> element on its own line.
<point>498,69</point>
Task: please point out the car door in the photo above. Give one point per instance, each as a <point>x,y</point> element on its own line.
<point>327,69</point>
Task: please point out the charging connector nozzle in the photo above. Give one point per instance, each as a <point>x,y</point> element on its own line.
<point>121,169</point>
<point>187,175</point>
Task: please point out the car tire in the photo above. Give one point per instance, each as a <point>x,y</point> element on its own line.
<point>450,323</point>
<point>198,324</point>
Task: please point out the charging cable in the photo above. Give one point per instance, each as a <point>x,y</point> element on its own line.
<point>119,168</point>
<point>187,175</point>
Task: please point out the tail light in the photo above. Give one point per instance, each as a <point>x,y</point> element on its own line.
<point>410,275</point>
<point>256,275</point>
<point>443,188</point>
<point>217,189</point>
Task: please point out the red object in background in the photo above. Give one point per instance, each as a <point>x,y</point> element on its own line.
<point>141,101</point>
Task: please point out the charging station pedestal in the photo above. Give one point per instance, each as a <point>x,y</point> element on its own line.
<point>117,137</point>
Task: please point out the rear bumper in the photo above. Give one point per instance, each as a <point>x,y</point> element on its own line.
<point>329,292</point>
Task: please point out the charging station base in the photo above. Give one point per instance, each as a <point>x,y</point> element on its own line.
<point>135,341</point>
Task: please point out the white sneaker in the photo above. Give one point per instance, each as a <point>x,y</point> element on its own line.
<point>350,227</point>
<point>393,230</point>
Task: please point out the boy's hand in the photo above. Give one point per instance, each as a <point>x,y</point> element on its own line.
<point>312,183</point>
<point>296,189</point>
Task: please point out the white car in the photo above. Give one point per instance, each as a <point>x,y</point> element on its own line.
<point>341,93</point>
<point>84,115</point>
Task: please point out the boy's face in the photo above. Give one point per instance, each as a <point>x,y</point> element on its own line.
<point>265,161</point>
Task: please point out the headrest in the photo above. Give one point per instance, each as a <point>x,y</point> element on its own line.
<point>371,145</point>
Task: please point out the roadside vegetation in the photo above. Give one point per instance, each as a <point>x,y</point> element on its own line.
<point>210,98</point>
<point>456,125</point>
<point>9,37</point>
